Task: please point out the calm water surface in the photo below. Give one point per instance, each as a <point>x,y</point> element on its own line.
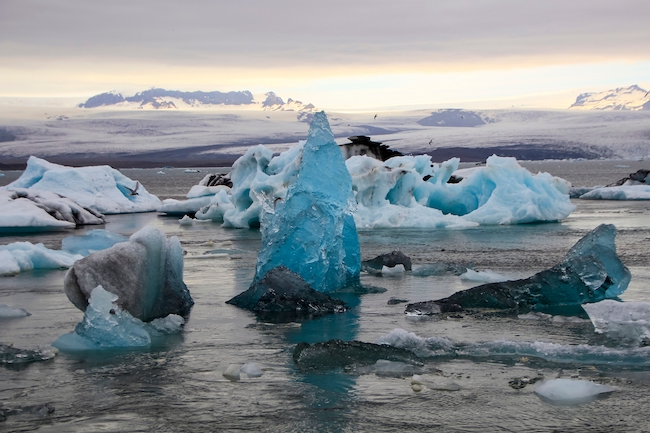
<point>179,386</point>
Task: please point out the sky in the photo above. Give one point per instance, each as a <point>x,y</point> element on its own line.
<point>347,55</point>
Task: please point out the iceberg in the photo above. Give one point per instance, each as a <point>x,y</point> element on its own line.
<point>312,232</point>
<point>23,210</point>
<point>571,391</point>
<point>107,326</point>
<point>628,322</point>
<point>146,273</point>
<point>24,256</point>
<point>94,240</point>
<point>638,192</point>
<point>590,272</point>
<point>100,188</point>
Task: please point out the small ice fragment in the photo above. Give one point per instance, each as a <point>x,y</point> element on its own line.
<point>233,372</point>
<point>534,316</point>
<point>186,221</point>
<point>252,370</point>
<point>570,391</point>
<point>486,276</point>
<point>7,312</point>
<point>396,270</point>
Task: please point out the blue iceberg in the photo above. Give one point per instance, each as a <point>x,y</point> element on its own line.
<point>590,272</point>
<point>107,326</point>
<point>312,232</point>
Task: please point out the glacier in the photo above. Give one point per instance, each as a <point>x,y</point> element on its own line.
<point>590,272</point>
<point>312,231</point>
<point>404,191</point>
<point>23,210</point>
<point>146,273</point>
<point>100,188</point>
<point>106,325</point>
<point>626,322</point>
<point>24,256</point>
<point>93,240</point>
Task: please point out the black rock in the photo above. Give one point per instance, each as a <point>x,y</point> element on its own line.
<point>338,353</point>
<point>641,177</point>
<point>282,295</point>
<point>216,180</point>
<point>390,260</point>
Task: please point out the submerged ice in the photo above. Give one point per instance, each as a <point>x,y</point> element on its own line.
<point>92,241</point>
<point>107,326</point>
<point>590,272</point>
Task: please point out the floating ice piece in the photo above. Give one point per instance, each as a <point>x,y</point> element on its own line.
<point>389,260</point>
<point>100,188</point>
<point>590,272</point>
<point>312,231</point>
<point>486,276</point>
<point>7,312</point>
<point>185,221</point>
<point>24,256</point>
<point>252,370</point>
<point>172,206</point>
<point>337,353</point>
<point>634,192</point>
<point>435,383</point>
<point>283,296</point>
<point>23,210</point>
<point>217,208</point>
<point>570,391</point>
<point>92,241</point>
<point>397,270</point>
<point>233,372</point>
<point>202,190</point>
<point>626,321</point>
<point>146,273</point>
<point>12,355</point>
<point>435,347</point>
<point>107,326</point>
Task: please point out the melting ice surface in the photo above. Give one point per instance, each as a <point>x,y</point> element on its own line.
<point>570,391</point>
<point>406,191</point>
<point>628,322</point>
<point>106,326</point>
<point>24,256</point>
<point>312,231</point>
<point>100,188</point>
<point>634,192</point>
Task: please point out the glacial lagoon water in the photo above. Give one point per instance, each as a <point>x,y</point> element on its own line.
<point>178,385</point>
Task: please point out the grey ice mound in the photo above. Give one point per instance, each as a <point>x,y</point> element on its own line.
<point>146,274</point>
<point>624,321</point>
<point>7,312</point>
<point>10,355</point>
<point>590,272</point>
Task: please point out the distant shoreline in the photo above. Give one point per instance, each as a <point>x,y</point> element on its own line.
<point>187,158</point>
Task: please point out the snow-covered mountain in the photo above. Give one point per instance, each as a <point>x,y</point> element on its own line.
<point>157,99</point>
<point>623,98</point>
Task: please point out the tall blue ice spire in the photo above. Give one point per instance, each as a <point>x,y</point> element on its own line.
<point>312,232</point>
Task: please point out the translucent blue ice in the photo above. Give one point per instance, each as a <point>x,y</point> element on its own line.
<point>312,231</point>
<point>24,256</point>
<point>94,240</point>
<point>106,326</point>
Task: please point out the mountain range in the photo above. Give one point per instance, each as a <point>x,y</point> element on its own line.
<point>157,99</point>
<point>631,98</point>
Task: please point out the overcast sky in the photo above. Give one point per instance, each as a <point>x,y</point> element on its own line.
<point>336,54</point>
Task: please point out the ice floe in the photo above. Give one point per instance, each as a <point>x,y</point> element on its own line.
<point>24,256</point>
<point>571,391</point>
<point>624,321</point>
<point>100,188</point>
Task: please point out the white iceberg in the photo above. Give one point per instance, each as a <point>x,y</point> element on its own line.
<point>571,391</point>
<point>625,321</point>
<point>625,192</point>
<point>106,326</point>
<point>404,191</point>
<point>24,256</point>
<point>7,312</point>
<point>100,188</point>
<point>23,210</point>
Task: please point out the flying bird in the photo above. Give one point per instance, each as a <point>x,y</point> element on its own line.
<point>375,116</point>
<point>134,191</point>
<point>430,141</point>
